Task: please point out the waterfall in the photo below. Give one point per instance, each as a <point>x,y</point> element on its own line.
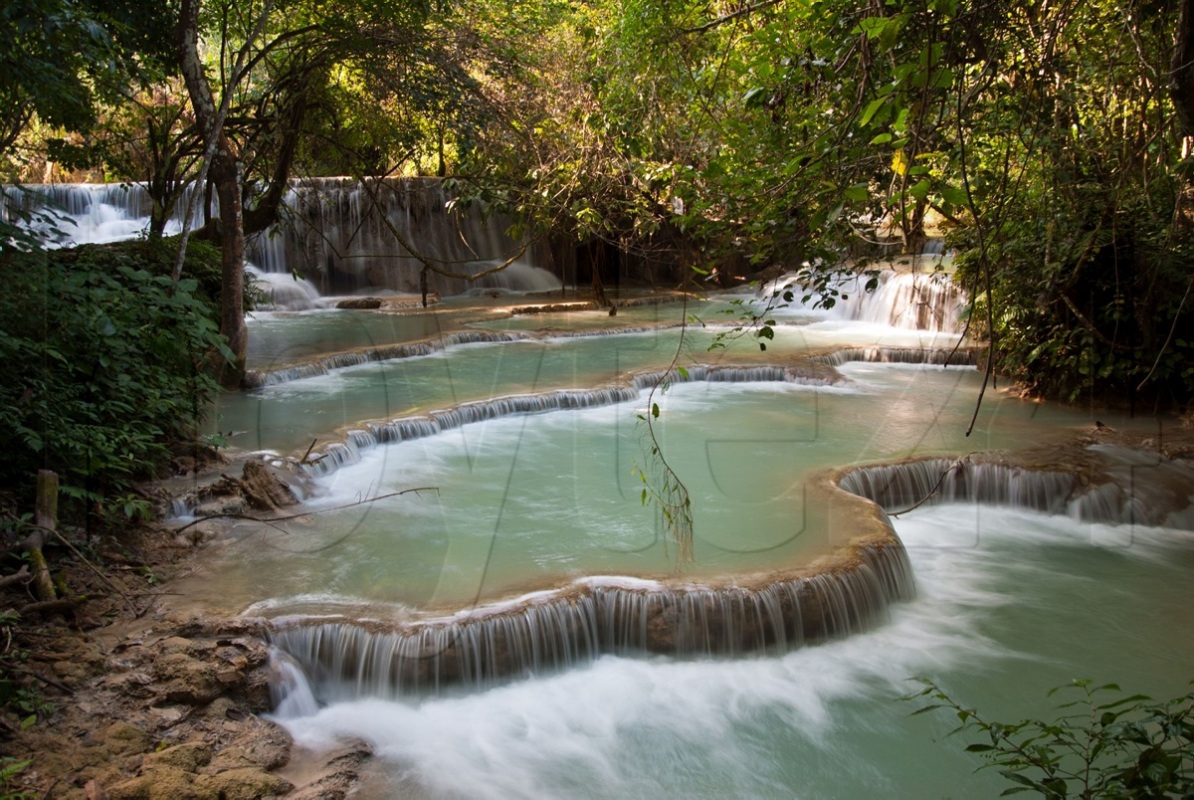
<point>80,213</point>
<point>1140,488</point>
<point>552,630</point>
<point>347,235</point>
<point>283,292</point>
<point>908,300</point>
<point>898,487</point>
<point>341,234</point>
<point>290,692</point>
<point>1132,489</point>
<point>962,356</point>
<point>256,379</point>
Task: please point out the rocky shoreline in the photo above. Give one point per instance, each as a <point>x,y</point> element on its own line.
<point>114,695</point>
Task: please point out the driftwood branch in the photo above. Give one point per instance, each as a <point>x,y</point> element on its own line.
<point>271,520</point>
<point>306,459</point>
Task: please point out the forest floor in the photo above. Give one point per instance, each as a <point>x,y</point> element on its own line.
<point>125,690</point>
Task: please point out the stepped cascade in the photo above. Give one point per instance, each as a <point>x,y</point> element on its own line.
<point>593,617</point>
<point>473,585</point>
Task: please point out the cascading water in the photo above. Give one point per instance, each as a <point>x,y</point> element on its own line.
<point>347,235</point>
<point>340,235</point>
<point>283,292</point>
<point>593,617</point>
<point>901,299</point>
<point>407,621</point>
<point>81,213</point>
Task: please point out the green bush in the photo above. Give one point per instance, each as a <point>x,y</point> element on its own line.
<point>105,361</point>
<point>1100,745</point>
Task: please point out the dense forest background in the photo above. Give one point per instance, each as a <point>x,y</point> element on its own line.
<point>1049,142</point>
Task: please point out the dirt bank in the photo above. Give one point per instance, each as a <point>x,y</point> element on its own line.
<point>109,695</point>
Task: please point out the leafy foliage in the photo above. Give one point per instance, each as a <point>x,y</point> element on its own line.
<point>59,58</point>
<point>105,361</point>
<point>10,769</point>
<point>1102,744</point>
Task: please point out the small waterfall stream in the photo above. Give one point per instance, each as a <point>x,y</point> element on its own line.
<point>568,627</point>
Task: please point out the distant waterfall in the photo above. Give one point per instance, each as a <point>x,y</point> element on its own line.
<point>944,356</point>
<point>81,213</point>
<point>595,616</point>
<point>344,234</point>
<point>340,234</point>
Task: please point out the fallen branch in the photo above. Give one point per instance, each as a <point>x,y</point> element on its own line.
<point>95,569</point>
<point>22,576</point>
<point>306,459</point>
<point>47,681</point>
<point>271,520</point>
<point>48,607</point>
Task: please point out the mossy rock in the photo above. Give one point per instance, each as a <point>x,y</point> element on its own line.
<point>189,756</point>
<point>123,738</point>
<point>245,783</point>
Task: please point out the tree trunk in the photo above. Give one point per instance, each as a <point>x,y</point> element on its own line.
<point>1181,69</point>
<point>225,172</point>
<point>46,520</point>
<point>225,175</point>
<point>1181,91</point>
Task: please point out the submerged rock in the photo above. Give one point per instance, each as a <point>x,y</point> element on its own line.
<point>363,303</point>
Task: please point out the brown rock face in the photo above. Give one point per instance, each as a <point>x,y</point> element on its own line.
<point>366,303</point>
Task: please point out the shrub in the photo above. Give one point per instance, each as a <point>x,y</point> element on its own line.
<point>1100,745</point>
<point>105,361</point>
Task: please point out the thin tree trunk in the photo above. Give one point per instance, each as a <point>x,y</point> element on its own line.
<point>225,174</point>
<point>46,519</point>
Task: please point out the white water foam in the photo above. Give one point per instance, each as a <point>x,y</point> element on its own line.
<point>283,291</point>
<point>664,728</point>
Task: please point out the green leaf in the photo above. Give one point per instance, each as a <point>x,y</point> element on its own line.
<point>755,97</point>
<point>920,189</point>
<point>858,192</point>
<point>871,109</point>
<point>954,195</point>
<point>655,410</point>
